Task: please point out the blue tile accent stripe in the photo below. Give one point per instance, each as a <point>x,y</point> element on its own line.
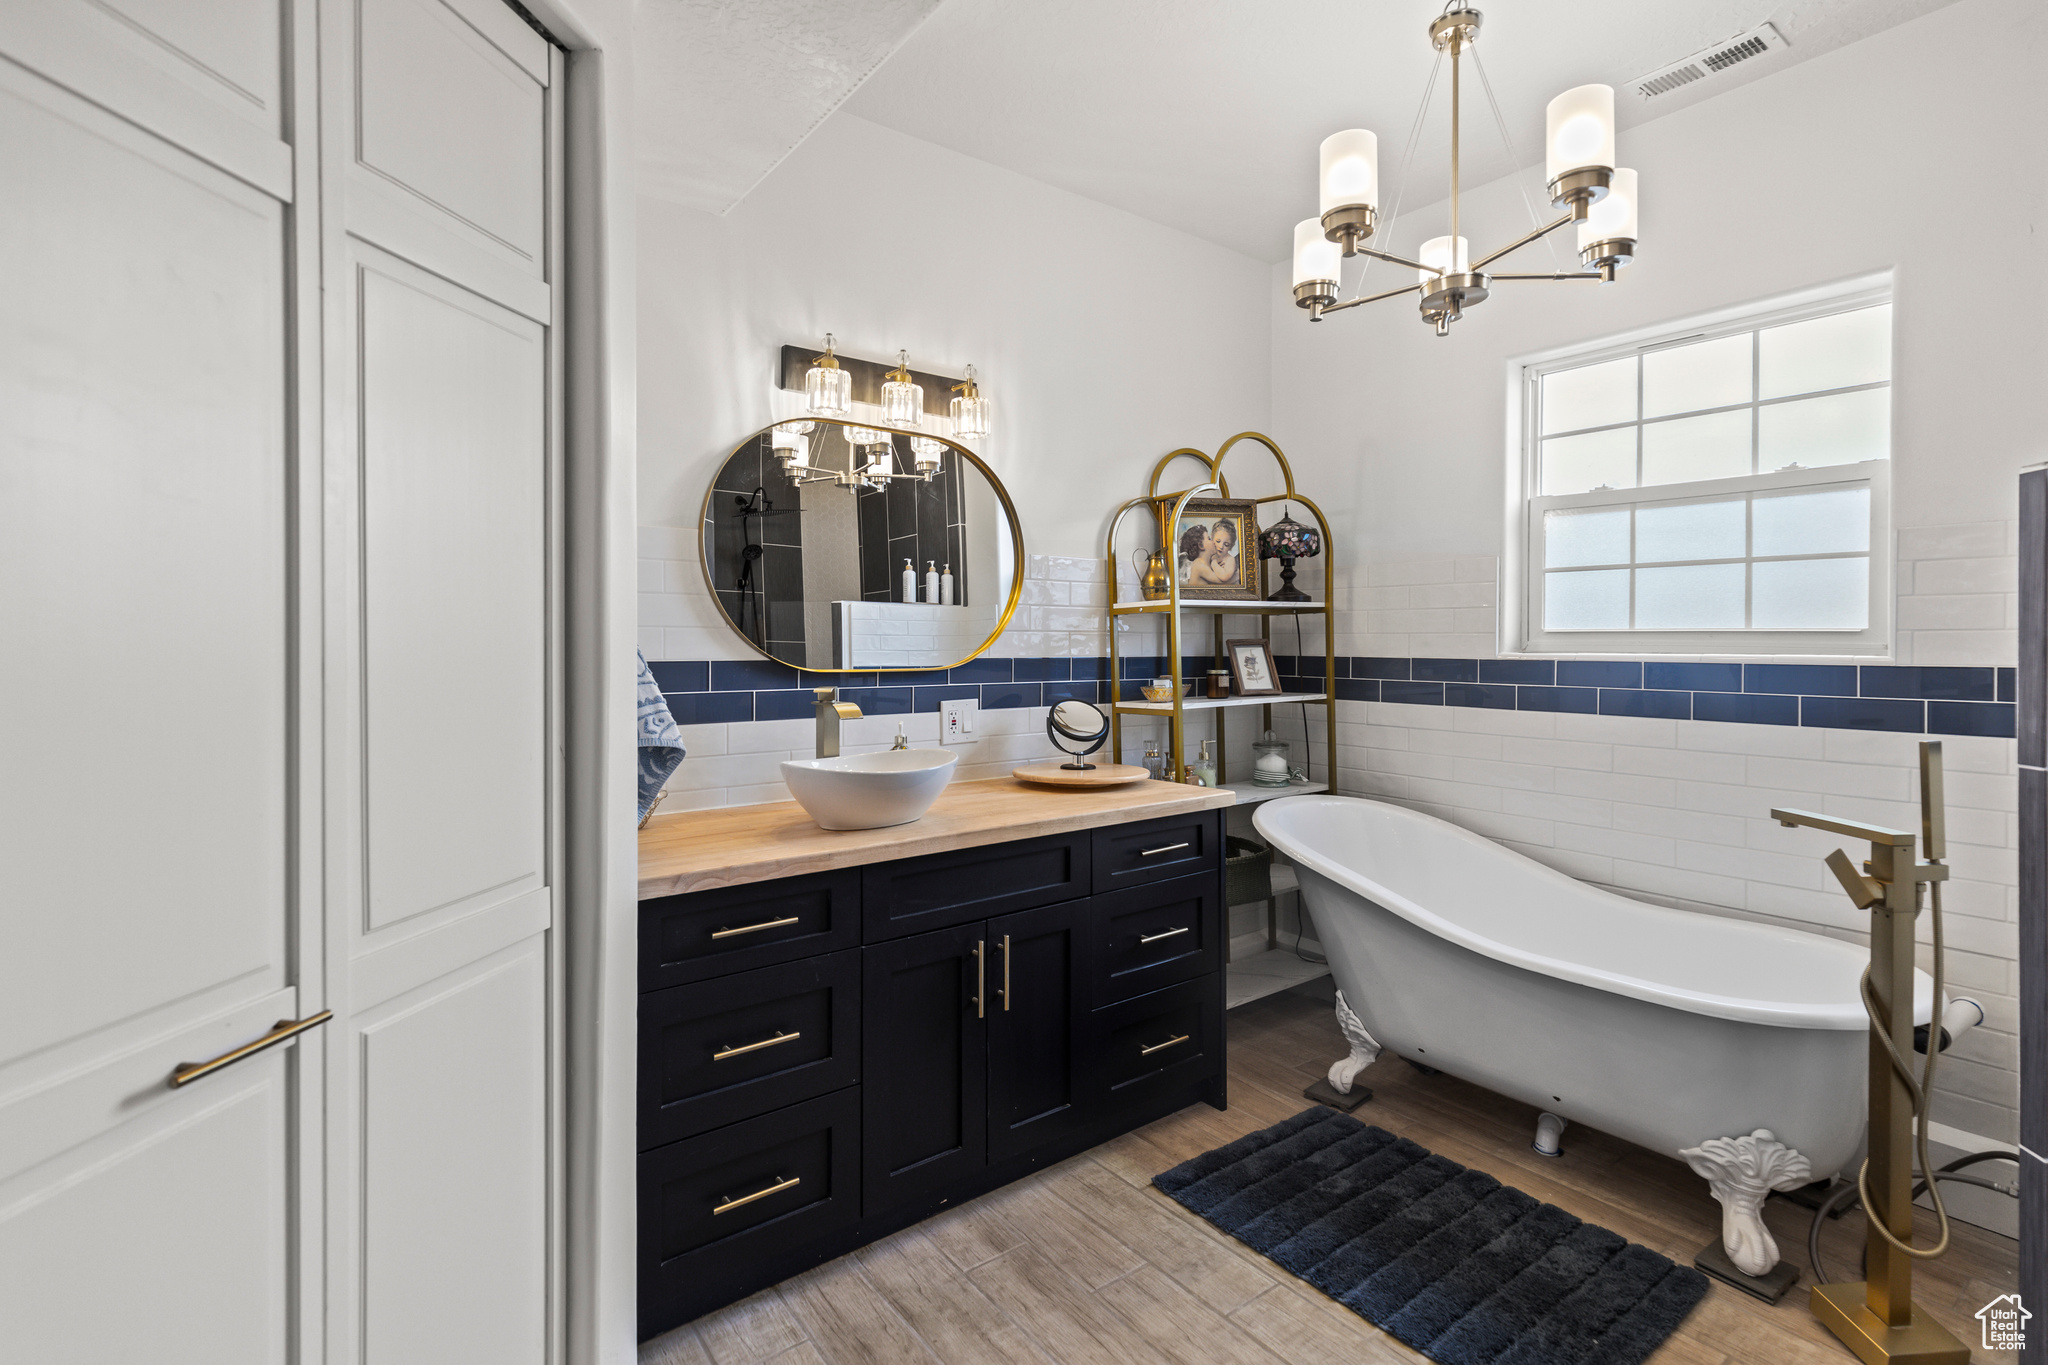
<point>1906,700</point>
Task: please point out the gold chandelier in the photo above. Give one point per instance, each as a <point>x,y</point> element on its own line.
<point>1583,181</point>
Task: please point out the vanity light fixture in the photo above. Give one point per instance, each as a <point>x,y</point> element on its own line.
<point>1583,181</point>
<point>828,388</point>
<point>926,452</point>
<point>902,396</point>
<point>792,442</point>
<point>970,409</point>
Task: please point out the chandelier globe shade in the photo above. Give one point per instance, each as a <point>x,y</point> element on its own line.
<point>1578,142</point>
<point>1318,263</point>
<point>1607,239</point>
<point>1349,172</point>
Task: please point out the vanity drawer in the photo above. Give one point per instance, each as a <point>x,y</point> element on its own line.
<point>1150,937</point>
<point>720,1051</point>
<point>702,934</point>
<point>1156,850</point>
<point>1159,1042</point>
<point>940,890</point>
<point>722,1214</point>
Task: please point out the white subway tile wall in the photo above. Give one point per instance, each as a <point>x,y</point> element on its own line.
<point>1672,811</point>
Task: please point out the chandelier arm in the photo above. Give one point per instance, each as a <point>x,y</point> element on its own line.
<point>1553,275</point>
<point>1521,242</point>
<point>1373,298</point>
<point>1393,260</point>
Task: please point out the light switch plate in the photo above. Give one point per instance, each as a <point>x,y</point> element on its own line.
<point>956,721</point>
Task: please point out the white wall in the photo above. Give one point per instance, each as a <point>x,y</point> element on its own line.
<point>1104,340</point>
<point>1888,154</point>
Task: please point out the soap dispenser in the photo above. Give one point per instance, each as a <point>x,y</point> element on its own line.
<point>946,586</point>
<point>931,582</point>
<point>909,582</point>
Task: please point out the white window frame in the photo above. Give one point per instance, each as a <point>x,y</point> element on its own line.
<point>1521,632</point>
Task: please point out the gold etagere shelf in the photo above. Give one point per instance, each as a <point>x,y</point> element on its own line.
<point>1166,510</point>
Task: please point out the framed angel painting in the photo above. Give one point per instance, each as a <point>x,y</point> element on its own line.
<point>1217,556</point>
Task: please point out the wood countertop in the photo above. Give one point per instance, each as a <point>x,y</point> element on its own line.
<point>733,845</point>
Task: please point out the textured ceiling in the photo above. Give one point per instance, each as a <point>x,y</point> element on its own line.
<point>1206,114</point>
<point>724,89</point>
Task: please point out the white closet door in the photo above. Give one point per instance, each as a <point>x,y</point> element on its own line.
<point>149,871</point>
<point>441,672</point>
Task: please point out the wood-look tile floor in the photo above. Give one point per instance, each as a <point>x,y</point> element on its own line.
<point>1086,1263</point>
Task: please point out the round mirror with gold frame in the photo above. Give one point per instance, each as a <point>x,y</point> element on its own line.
<point>809,526</point>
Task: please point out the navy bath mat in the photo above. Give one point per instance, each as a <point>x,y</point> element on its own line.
<point>1448,1260</point>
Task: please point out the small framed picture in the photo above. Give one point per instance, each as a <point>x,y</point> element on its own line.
<point>1251,664</point>
<point>1217,555</point>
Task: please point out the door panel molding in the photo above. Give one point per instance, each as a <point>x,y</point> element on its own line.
<point>107,1082</point>
<point>428,952</point>
<point>383,217</point>
<point>106,63</point>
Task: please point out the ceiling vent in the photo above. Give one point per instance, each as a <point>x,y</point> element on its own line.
<point>1708,62</point>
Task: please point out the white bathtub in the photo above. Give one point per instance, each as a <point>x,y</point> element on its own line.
<point>1665,1027</point>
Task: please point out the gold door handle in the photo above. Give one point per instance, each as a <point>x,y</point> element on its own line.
<point>744,1048</point>
<point>728,1204</point>
<point>754,928</point>
<point>184,1073</point>
<point>980,978</point>
<point>1006,973</point>
<point>1161,1047</point>
<point>1154,938</point>
<point>1154,852</point>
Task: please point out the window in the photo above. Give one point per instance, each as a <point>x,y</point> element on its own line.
<point>1722,491</point>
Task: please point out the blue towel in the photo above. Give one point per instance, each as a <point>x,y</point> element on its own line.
<point>661,745</point>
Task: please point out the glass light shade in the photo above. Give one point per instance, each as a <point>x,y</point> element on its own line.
<point>794,451</point>
<point>970,410</point>
<point>1350,171</point>
<point>1289,539</point>
<point>927,452</point>
<point>828,390</point>
<point>1579,130</point>
<point>1613,218</point>
<point>1316,259</point>
<point>861,437</point>
<point>881,460</point>
<point>1436,254</point>
<point>902,398</point>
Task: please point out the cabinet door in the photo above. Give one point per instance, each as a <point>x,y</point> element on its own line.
<point>924,1074</point>
<point>1038,988</point>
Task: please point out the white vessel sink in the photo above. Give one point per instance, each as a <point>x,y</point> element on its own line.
<point>869,791</point>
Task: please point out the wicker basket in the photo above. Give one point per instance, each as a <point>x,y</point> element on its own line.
<point>1247,871</point>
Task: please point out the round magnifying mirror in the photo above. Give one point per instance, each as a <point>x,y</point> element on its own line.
<point>1077,728</point>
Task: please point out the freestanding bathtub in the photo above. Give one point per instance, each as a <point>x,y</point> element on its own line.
<point>1738,1047</point>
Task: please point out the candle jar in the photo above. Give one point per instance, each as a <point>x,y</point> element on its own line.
<point>1270,764</point>
<point>1219,682</point>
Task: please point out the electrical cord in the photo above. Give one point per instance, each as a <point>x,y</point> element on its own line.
<point>1848,1197</point>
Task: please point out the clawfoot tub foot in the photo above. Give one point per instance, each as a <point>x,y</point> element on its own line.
<point>1337,1091</point>
<point>1741,1172</point>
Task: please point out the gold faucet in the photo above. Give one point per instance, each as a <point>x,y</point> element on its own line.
<point>830,712</point>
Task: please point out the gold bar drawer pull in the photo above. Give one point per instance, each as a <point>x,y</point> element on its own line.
<point>754,928</point>
<point>1154,938</point>
<point>744,1048</point>
<point>1155,852</point>
<point>286,1029</point>
<point>728,1204</point>
<point>1161,1047</point>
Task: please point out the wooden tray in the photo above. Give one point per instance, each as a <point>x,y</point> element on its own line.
<point>1101,775</point>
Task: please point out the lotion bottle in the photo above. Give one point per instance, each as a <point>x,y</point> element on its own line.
<point>931,582</point>
<point>946,586</point>
<point>909,582</point>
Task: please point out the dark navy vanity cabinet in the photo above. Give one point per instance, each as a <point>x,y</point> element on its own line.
<point>827,1058</point>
